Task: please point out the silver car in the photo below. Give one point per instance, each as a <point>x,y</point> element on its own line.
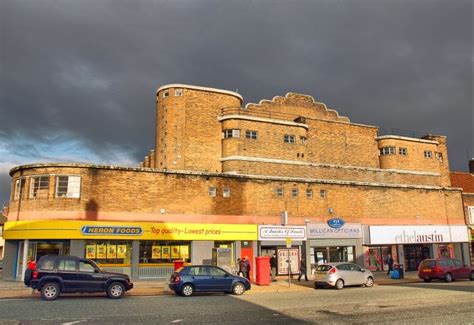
<point>339,275</point>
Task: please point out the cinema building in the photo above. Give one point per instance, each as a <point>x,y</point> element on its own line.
<point>221,176</point>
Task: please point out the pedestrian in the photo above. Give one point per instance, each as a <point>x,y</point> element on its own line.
<point>273,267</point>
<point>302,270</point>
<point>247,264</point>
<point>239,267</point>
<point>389,262</point>
<point>243,268</point>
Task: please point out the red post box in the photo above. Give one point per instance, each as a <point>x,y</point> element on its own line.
<point>262,270</point>
<point>178,264</point>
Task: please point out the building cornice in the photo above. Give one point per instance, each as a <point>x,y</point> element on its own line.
<point>261,119</point>
<point>304,163</point>
<point>396,137</point>
<point>212,90</point>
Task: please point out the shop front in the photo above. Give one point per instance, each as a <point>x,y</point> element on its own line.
<point>286,243</point>
<point>334,241</point>
<point>409,245</point>
<point>144,250</point>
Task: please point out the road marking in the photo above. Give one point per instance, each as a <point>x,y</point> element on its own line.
<point>177,321</point>
<point>75,322</point>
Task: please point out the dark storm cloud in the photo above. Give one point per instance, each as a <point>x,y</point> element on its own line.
<point>83,73</point>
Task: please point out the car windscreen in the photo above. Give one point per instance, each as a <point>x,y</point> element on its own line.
<point>324,268</point>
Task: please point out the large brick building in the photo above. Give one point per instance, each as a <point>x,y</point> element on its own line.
<point>222,176</point>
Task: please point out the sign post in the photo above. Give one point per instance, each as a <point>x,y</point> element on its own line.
<point>288,245</point>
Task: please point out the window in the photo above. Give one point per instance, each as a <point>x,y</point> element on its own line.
<point>471,214</point>
<point>387,151</point>
<point>19,188</point>
<point>47,264</point>
<point>303,140</point>
<point>322,194</point>
<point>68,186</point>
<point>214,271</point>
<point>226,192</point>
<point>279,192</point>
<point>231,133</point>
<point>428,154</point>
<point>39,186</point>
<point>309,193</point>
<point>86,267</point>
<point>67,265</point>
<point>178,92</point>
<point>288,138</point>
<point>166,93</point>
<point>251,134</point>
<point>440,157</point>
<point>457,263</point>
<point>294,193</point>
<point>212,191</point>
<point>402,151</point>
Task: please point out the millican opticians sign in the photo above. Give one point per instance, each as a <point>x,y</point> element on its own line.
<point>417,234</point>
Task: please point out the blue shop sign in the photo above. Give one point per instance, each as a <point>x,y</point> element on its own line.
<point>111,230</point>
<point>336,223</point>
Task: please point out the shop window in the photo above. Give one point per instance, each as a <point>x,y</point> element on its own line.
<point>231,133</point>
<point>19,188</point>
<point>294,193</point>
<point>402,151</point>
<point>68,186</point>
<point>163,252</point>
<point>212,191</point>
<point>108,251</point>
<point>288,138</point>
<point>309,193</point>
<point>226,192</point>
<point>387,151</point>
<point>279,192</point>
<point>251,134</point>
<point>39,186</point>
<point>428,154</point>
<point>178,92</point>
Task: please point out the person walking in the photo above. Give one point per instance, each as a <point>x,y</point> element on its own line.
<point>239,267</point>
<point>303,270</point>
<point>247,264</point>
<point>273,267</point>
<point>389,262</point>
<point>243,268</point>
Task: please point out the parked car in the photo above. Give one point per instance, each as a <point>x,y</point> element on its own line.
<point>53,275</point>
<point>206,278</point>
<point>340,275</point>
<point>446,269</point>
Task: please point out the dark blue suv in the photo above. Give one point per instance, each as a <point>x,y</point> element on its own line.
<point>56,274</point>
<point>206,278</point>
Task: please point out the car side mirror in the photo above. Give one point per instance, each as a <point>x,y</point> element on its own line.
<point>362,270</point>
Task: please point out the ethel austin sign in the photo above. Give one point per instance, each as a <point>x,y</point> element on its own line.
<point>417,234</point>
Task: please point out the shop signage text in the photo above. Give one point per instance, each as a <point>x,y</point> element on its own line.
<point>110,230</point>
<point>322,230</point>
<point>281,232</point>
<point>416,238</point>
<point>336,223</point>
<point>417,234</point>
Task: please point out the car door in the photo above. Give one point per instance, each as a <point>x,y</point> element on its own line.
<point>89,277</point>
<point>200,278</point>
<point>461,270</point>
<point>220,279</point>
<point>344,274</point>
<point>67,270</point>
<point>356,274</point>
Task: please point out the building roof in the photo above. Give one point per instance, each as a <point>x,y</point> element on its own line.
<point>463,180</point>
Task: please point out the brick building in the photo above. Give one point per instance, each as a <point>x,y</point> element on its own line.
<point>221,178</point>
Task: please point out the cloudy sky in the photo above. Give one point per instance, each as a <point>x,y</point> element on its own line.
<point>78,77</point>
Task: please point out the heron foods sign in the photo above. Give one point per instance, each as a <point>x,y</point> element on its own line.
<point>36,229</point>
<point>417,234</point>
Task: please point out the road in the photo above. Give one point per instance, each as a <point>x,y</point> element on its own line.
<point>435,303</point>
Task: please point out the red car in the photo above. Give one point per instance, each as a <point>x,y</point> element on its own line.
<point>446,269</point>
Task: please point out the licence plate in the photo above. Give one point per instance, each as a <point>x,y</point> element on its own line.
<point>427,270</point>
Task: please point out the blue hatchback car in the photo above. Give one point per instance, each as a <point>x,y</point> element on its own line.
<point>206,278</point>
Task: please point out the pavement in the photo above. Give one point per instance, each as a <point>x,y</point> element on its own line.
<point>16,289</point>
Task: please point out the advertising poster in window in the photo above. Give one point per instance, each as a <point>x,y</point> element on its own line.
<point>184,250</point>
<point>155,252</point>
<point>283,258</point>
<point>165,252</point>
<point>101,251</point>
<point>111,251</point>
<point>175,252</point>
<point>90,251</point>
<point>121,251</point>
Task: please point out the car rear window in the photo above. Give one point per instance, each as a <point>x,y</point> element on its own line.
<point>324,268</point>
<point>46,264</point>
<point>428,263</point>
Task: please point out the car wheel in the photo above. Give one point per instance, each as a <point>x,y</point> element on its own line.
<point>50,291</point>
<point>427,280</point>
<point>448,277</point>
<point>369,282</point>
<point>187,290</point>
<point>115,290</point>
<point>339,284</point>
<point>238,289</point>
<point>472,276</point>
